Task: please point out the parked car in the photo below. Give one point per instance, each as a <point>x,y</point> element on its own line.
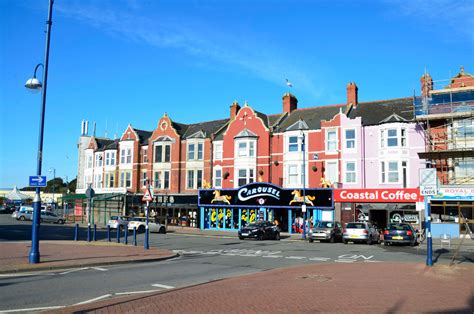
<point>360,232</point>
<point>24,213</point>
<point>260,231</point>
<point>7,209</point>
<point>47,216</point>
<point>153,225</point>
<point>400,233</point>
<point>326,231</point>
<point>118,222</point>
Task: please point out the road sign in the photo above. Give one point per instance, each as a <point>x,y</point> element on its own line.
<point>90,192</point>
<point>38,181</point>
<point>428,181</point>
<point>147,196</point>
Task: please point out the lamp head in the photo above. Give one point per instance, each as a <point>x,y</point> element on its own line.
<point>34,85</point>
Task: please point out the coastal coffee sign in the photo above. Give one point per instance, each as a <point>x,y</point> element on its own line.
<point>265,194</point>
<point>378,195</point>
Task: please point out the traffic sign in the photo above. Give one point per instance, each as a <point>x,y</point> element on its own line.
<point>428,190</point>
<point>38,181</point>
<point>428,181</point>
<point>147,196</point>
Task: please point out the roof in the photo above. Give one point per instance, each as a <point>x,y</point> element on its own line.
<point>206,128</point>
<point>102,143</point>
<point>143,136</point>
<point>311,116</point>
<point>384,111</point>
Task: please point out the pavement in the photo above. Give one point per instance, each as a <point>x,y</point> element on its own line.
<point>321,287</point>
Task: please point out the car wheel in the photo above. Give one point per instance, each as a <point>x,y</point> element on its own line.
<point>311,240</point>
<point>22,218</point>
<point>162,230</point>
<point>277,236</point>
<point>344,241</point>
<point>241,238</point>
<point>413,242</point>
<point>369,241</point>
<point>61,222</point>
<point>332,239</point>
<point>141,229</point>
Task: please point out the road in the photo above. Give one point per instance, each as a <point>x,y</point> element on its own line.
<point>202,259</point>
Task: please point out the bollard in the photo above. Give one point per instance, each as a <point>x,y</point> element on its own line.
<point>94,236</point>
<point>126,236</point>
<point>108,233</point>
<point>88,232</point>
<point>146,245</point>
<point>135,236</point>
<point>118,234</point>
<point>76,232</point>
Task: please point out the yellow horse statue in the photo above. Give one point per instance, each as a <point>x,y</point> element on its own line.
<point>307,199</point>
<point>220,198</point>
<point>325,183</point>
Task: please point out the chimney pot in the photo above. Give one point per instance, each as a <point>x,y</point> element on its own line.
<point>352,94</point>
<point>234,109</point>
<point>290,102</point>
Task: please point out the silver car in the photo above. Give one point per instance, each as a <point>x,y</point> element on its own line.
<point>24,213</point>
<point>360,232</point>
<point>326,231</point>
<point>153,225</point>
<point>118,222</point>
<point>51,217</point>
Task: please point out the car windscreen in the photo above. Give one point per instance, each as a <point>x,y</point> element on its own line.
<point>324,224</point>
<point>355,225</point>
<point>114,217</point>
<point>398,227</point>
<point>254,225</point>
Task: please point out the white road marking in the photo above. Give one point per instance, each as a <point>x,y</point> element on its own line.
<point>296,257</point>
<point>350,256</point>
<point>162,286</point>
<point>247,255</point>
<point>27,274</point>
<point>371,261</point>
<point>272,256</point>
<point>210,253</point>
<point>99,268</point>
<point>323,259</point>
<point>34,309</point>
<point>94,299</point>
<point>345,260</point>
<point>73,270</point>
<point>137,292</point>
<point>229,254</point>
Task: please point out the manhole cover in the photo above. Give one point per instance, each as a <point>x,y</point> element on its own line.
<point>319,278</point>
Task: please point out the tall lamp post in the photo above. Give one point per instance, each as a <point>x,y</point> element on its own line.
<point>303,175</point>
<point>53,170</point>
<point>35,85</point>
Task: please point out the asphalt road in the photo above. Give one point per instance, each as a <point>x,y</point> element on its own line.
<point>202,259</point>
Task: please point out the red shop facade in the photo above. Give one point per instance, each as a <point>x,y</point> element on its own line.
<point>380,206</point>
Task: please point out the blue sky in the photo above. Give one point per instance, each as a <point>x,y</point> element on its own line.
<point>116,62</point>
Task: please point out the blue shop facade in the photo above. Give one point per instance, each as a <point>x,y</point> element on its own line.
<point>231,209</point>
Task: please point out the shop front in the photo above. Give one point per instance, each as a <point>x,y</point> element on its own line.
<point>230,209</point>
<point>452,211</point>
<point>380,206</point>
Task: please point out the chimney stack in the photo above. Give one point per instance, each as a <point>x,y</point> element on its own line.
<point>290,102</point>
<point>234,109</point>
<point>352,94</point>
<point>426,84</point>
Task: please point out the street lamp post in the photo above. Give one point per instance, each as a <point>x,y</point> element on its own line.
<point>303,207</point>
<point>35,84</point>
<point>52,169</point>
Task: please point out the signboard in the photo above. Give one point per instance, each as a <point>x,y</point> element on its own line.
<point>411,195</point>
<point>428,181</point>
<point>37,181</point>
<point>147,196</point>
<point>265,194</point>
<point>90,192</point>
<point>455,193</point>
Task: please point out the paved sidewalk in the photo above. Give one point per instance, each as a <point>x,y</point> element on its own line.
<point>349,288</point>
<point>69,254</point>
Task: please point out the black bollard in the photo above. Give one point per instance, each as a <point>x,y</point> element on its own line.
<point>76,232</point>
<point>94,236</point>
<point>108,233</point>
<point>135,236</point>
<point>126,236</point>
<point>118,234</point>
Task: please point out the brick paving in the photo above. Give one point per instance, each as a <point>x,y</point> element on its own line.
<point>67,254</point>
<point>340,288</point>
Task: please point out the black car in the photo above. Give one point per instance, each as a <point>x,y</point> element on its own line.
<point>400,233</point>
<point>260,231</point>
<point>7,209</point>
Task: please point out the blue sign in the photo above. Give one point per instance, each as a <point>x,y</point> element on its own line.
<point>37,181</point>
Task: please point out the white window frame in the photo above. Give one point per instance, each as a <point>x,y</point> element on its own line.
<point>163,152</point>
<point>385,171</point>
<point>109,179</point>
<point>89,161</point>
<point>293,146</point>
<point>143,178</point>
<point>99,160</point>
<point>125,176</point>
<point>218,152</point>
<point>330,142</point>
<point>348,172</point>
<point>400,137</point>
<point>249,149</point>
<point>294,176</point>
<point>217,177</point>
<point>249,176</point>
<point>191,151</point>
<point>145,155</point>
<point>330,176</point>
<point>347,140</point>
<point>194,178</point>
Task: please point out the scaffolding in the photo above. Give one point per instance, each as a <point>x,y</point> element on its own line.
<point>446,117</point>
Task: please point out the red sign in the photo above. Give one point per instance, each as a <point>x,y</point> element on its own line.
<point>147,196</point>
<point>378,195</point>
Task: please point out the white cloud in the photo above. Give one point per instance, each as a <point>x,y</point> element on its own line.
<point>194,38</point>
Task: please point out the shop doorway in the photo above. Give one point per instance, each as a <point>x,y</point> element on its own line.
<point>378,218</point>
<point>281,216</point>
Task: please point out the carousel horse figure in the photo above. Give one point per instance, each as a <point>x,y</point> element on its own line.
<point>220,198</point>
<point>325,183</point>
<point>297,198</point>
